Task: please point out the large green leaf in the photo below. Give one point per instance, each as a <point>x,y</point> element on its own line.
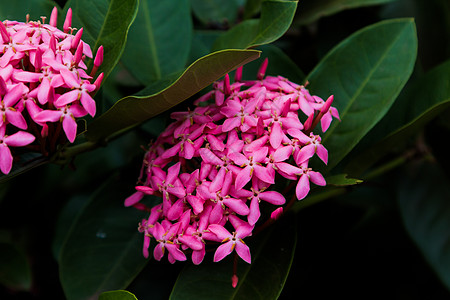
<point>417,105</point>
<point>159,40</point>
<point>423,198</point>
<point>272,255</point>
<point>133,110</point>
<point>276,17</point>
<point>18,11</point>
<point>104,22</point>
<point>365,73</point>
<point>314,10</point>
<point>103,248</point>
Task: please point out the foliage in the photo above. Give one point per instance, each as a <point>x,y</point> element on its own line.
<point>380,225</point>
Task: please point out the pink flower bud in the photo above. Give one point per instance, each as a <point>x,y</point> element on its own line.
<point>54,17</point>
<point>68,21</point>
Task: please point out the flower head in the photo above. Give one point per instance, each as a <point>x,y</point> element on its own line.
<point>217,164</point>
<point>43,80</point>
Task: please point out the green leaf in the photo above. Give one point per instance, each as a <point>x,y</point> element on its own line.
<point>159,40</point>
<point>416,106</point>
<point>18,11</point>
<point>216,11</point>
<point>133,110</point>
<point>102,250</point>
<point>272,255</point>
<point>314,10</point>
<point>15,270</point>
<point>276,17</point>
<point>117,295</point>
<point>423,198</point>
<point>365,73</point>
<point>342,180</point>
<point>104,22</point>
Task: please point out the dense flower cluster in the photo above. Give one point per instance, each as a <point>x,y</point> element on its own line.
<point>215,165</point>
<point>43,84</point>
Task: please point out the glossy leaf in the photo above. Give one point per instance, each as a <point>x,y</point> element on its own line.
<point>159,40</point>
<point>117,295</point>
<point>276,17</point>
<point>133,110</point>
<point>15,270</point>
<point>104,22</point>
<point>426,214</point>
<point>18,11</point>
<point>26,162</point>
<point>102,250</point>
<point>417,105</point>
<point>272,255</point>
<point>313,10</point>
<point>365,73</point>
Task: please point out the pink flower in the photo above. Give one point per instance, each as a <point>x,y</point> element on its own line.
<point>18,139</point>
<point>232,241</point>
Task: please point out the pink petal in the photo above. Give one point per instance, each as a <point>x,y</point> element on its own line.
<point>238,158</point>
<point>13,95</point>
<point>243,178</point>
<point>146,245</point>
<point>172,151</point>
<point>16,118</point>
<point>302,188</point>
<point>219,231</point>
<point>272,197</point>
<point>158,252</point>
<point>305,153</point>
<point>69,78</point>
<point>44,90</point>
<point>88,103</point>
<point>244,252</point>
<point>48,116</point>
<point>67,98</point>
<point>317,178</point>
<point>197,256</point>
<point>322,153</point>
<point>254,213</point>
<point>19,139</point>
<point>276,135</point>
<point>231,123</point>
<point>282,153</point>
<point>263,174</point>
<point>70,128</point>
<point>222,251</point>
<point>238,206</point>
<point>133,199</point>
<point>5,159</point>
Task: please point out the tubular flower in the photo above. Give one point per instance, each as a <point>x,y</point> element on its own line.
<point>216,165</point>
<point>44,86</point>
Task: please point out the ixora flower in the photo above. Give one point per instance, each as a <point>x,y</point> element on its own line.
<point>216,165</point>
<point>44,85</point>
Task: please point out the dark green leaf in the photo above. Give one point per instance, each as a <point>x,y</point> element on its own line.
<point>276,17</point>
<point>365,73</point>
<point>18,11</point>
<point>423,198</point>
<point>159,40</point>
<point>342,180</point>
<point>133,110</point>
<point>418,104</point>
<point>117,295</point>
<point>103,248</point>
<point>104,22</point>
<point>272,255</point>
<point>216,11</point>
<point>15,270</point>
<point>313,10</point>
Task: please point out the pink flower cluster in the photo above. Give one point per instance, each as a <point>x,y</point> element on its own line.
<point>215,165</point>
<point>43,85</point>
